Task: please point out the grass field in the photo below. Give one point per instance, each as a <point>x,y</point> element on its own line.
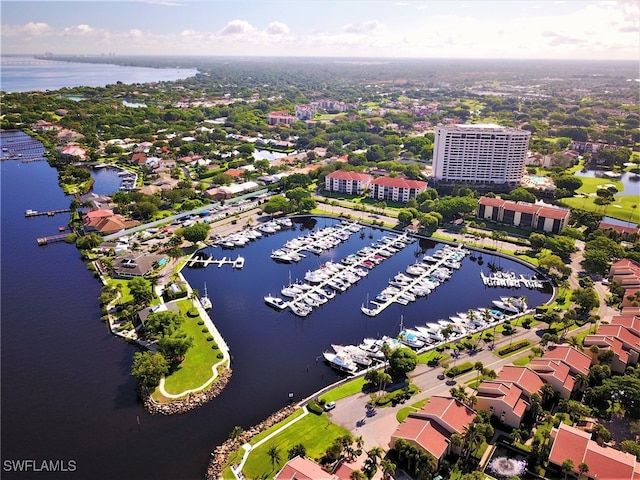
<point>315,432</point>
<point>622,208</point>
<point>196,367</point>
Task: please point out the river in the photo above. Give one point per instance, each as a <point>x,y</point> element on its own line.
<point>66,390</point>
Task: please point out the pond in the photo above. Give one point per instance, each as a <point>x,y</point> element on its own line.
<point>630,181</point>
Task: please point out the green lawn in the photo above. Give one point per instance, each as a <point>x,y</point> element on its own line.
<point>621,208</point>
<point>315,432</point>
<point>196,367</point>
<point>345,390</point>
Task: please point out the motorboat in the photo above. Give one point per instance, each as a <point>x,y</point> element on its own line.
<point>507,307</point>
<point>358,355</point>
<point>518,303</point>
<point>300,309</point>
<point>290,291</point>
<point>341,361</point>
<point>329,293</point>
<point>275,302</point>
<point>410,339</point>
<point>239,263</point>
<point>281,256</point>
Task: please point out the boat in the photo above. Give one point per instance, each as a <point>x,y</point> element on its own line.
<point>275,302</point>
<point>507,307</point>
<point>410,339</point>
<point>370,309</point>
<point>341,361</point>
<point>300,309</point>
<point>329,293</point>
<point>358,355</point>
<point>281,256</point>
<point>517,302</point>
<point>205,301</point>
<point>290,291</point>
<point>239,263</point>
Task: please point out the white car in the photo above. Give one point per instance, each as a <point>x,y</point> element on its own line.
<point>329,406</point>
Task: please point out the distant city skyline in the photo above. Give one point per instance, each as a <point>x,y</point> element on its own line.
<point>526,29</point>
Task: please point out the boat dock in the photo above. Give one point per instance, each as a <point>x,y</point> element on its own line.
<point>195,261</point>
<point>50,213</point>
<point>369,256</point>
<point>510,280</point>
<point>51,239</point>
<point>449,253</point>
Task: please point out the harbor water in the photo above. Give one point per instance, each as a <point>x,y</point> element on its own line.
<point>67,393</point>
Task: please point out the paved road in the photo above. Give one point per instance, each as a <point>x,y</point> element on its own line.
<point>376,430</point>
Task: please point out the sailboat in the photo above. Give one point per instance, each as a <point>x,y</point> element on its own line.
<point>205,301</point>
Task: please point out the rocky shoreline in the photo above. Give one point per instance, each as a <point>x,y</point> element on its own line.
<point>194,400</point>
<point>220,455</point>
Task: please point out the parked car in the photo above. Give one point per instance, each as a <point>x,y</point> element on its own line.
<point>329,406</point>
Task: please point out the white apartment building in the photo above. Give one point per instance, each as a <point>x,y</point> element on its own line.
<point>480,153</point>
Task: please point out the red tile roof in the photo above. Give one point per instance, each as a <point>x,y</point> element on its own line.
<point>545,211</point>
<point>604,463</point>
<point>626,336</point>
<point>508,392</point>
<point>553,368</point>
<point>525,378</point>
<point>578,361</point>
<point>395,182</point>
<point>345,175</point>
<point>300,468</point>
<point>449,412</point>
<point>631,322</point>
<point>423,432</point>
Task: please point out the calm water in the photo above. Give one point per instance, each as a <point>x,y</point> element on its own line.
<point>66,389</point>
<point>630,181</point>
<point>25,74</point>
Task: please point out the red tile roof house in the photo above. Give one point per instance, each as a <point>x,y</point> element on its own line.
<point>604,463</point>
<point>625,272</point>
<point>525,378</point>
<point>623,341</point>
<point>352,183</point>
<point>505,401</point>
<point>235,172</point>
<point>556,374</point>
<point>300,468</point>
<point>395,189</point>
<point>546,218</point>
<point>577,361</point>
<point>432,427</point>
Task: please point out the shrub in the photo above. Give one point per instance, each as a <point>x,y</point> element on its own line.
<point>512,348</point>
<point>209,338</point>
<point>204,330</point>
<point>220,356</point>
<point>200,322</point>
<point>193,312</point>
<point>215,347</point>
<point>313,407</point>
<point>459,369</point>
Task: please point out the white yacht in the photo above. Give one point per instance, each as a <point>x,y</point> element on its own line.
<point>341,361</point>
<point>275,302</point>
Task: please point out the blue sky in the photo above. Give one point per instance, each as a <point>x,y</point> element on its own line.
<point>347,28</point>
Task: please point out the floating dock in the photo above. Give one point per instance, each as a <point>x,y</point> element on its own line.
<point>51,239</point>
<point>510,280</point>
<point>50,213</point>
<point>205,262</point>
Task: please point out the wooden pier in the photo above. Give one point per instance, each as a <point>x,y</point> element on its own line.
<point>51,239</point>
<point>205,262</point>
<point>50,213</point>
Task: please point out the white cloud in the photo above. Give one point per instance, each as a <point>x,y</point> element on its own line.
<point>163,4</point>
<point>32,29</point>
<point>235,27</point>
<point>277,28</point>
<point>372,26</point>
<point>82,29</point>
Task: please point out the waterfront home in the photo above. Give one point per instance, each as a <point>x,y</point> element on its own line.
<point>604,462</point>
<point>431,428</point>
<point>106,222</point>
<point>135,265</point>
<point>395,189</point>
<point>352,183</point>
<point>538,216</point>
<point>73,153</point>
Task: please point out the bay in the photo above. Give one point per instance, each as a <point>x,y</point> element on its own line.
<point>25,74</point>
<point>66,389</point>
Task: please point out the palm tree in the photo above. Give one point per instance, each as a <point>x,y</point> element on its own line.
<point>388,469</point>
<point>274,455</point>
<point>457,441</point>
<point>357,475</point>
<point>567,466</point>
<point>478,367</point>
<point>582,468</point>
<point>359,441</point>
